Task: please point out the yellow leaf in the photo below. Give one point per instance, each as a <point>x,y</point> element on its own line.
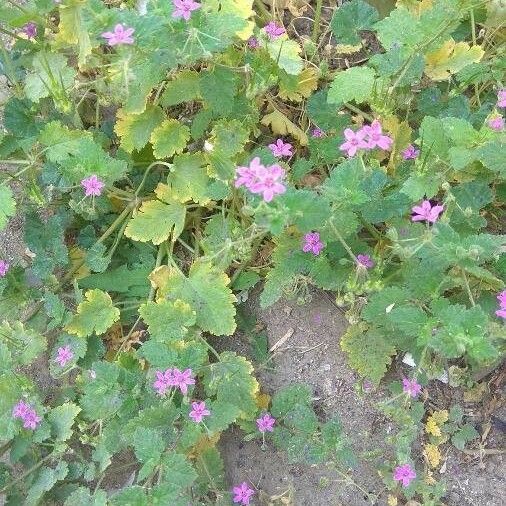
<point>77,256</point>
<point>281,125</point>
<point>432,454</point>
<point>450,58</point>
<point>241,8</point>
<point>392,501</point>
<point>348,49</point>
<point>415,6</point>
<point>432,428</point>
<point>435,422</point>
<point>159,278</point>
<point>295,88</point>
<point>401,134</point>
<point>263,400</point>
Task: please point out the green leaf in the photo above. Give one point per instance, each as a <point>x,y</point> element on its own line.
<point>369,351</point>
<point>83,497</point>
<point>121,280</point>
<point>464,435</point>
<point>231,380</point>
<point>355,84</point>
<point>188,179</point>
<point>286,53</point>
<point>206,291</point>
<point>178,470</point>
<point>350,18</point>
<point>223,414</point>
<point>135,129</point>
<point>51,75</point>
<point>287,398</point>
<point>95,314</point>
<point>218,89</point>
<point>169,138</point>
<point>45,480</point>
<point>493,156</point>
<point>130,496</point>
<point>185,87</point>
<point>61,420</point>
<point>156,221</point>
<point>7,205</point>
<point>21,345</point>
<point>148,444</point>
<point>167,320</point>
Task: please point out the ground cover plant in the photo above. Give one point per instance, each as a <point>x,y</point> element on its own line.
<point>169,156</point>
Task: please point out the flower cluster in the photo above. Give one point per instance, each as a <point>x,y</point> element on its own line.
<point>65,354</point>
<point>317,133</point>
<point>426,211</point>
<point>501,312</point>
<point>405,474</point>
<point>4,268</point>
<point>496,123</point>
<point>27,414</point>
<point>368,137</point>
<point>173,378</point>
<point>30,30</point>
<point>184,8</point>
<point>258,178</point>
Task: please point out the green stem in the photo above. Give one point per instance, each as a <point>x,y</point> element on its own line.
<point>317,18</point>
<point>263,12</point>
<point>343,242</point>
<point>10,69</point>
<point>154,164</point>
<point>356,110</point>
<point>468,288</point>
<point>25,474</point>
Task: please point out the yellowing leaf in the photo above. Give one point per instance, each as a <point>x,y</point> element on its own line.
<point>401,134</point>
<point>435,422</point>
<point>281,125</point>
<point>169,138</point>
<point>72,29</point>
<point>76,256</point>
<point>135,129</point>
<point>95,314</point>
<point>416,7</point>
<point>241,8</point>
<point>263,400</point>
<point>450,58</point>
<point>156,221</point>
<point>392,501</point>
<point>432,454</point>
<point>348,48</point>
<point>286,53</point>
<point>296,88</point>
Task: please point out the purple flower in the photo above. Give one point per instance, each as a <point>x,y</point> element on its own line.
<point>312,243</point>
<point>4,268</point>
<point>411,387</point>
<point>273,30</point>
<point>92,186</point>
<point>281,149</point>
<point>269,182</point>
<point>184,8</point>
<point>404,474</point>
<point>198,411</point>
<point>496,123</point>
<point>121,35</point>
<point>183,379</point>
<point>426,212</point>
<point>27,414</point>
<point>501,312</point>
<point>253,43</point>
<point>242,493</point>
<point>266,423</point>
<point>317,133</point>
<point>366,261</point>
<point>354,142</point>
<point>65,354</point>
<point>247,176</point>
<point>164,380</point>
<point>30,30</point>
<point>410,153</point>
<point>501,98</point>
<point>375,138</point>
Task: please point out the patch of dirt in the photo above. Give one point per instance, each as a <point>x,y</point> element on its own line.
<point>312,355</point>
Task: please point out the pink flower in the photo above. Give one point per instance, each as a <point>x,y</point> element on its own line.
<point>65,354</point>
<point>317,133</point>
<point>501,312</point>
<point>410,153</point>
<point>501,98</point>
<point>4,268</point>
<point>253,43</point>
<point>183,380</point>
<point>27,414</point>
<point>268,182</point>
<point>312,243</point>
<point>184,8</point>
<point>247,176</point>
<point>411,387</point>
<point>375,138</point>
<point>164,380</point>
<point>354,142</point>
<point>266,423</point>
<point>366,261</point>
<point>198,411</point>
<point>242,493</point>
<point>496,123</point>
<point>30,30</point>
<point>426,212</point>
<point>405,474</point>
<point>273,30</point>
<point>281,149</point>
<point>92,186</point>
<point>121,35</point>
